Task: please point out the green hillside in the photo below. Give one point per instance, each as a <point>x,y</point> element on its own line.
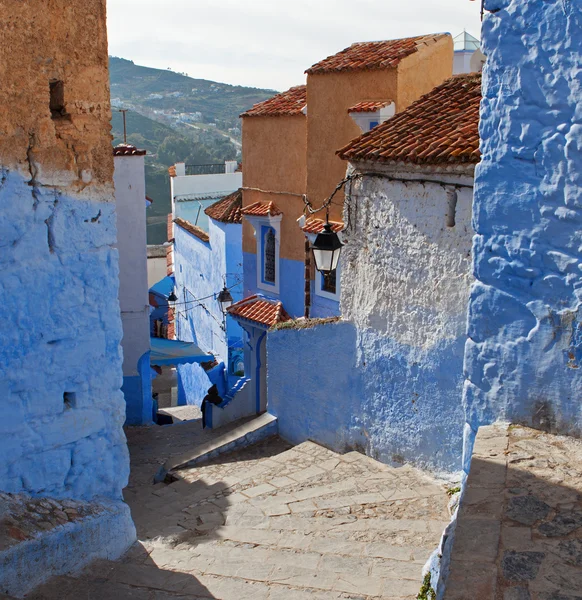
<point>194,120</point>
<point>219,103</point>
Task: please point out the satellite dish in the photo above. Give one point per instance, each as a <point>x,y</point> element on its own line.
<point>477,61</point>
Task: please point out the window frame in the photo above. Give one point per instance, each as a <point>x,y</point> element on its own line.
<point>319,283</point>
<point>261,225</point>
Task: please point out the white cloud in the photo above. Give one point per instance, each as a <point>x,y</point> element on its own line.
<point>268,43</point>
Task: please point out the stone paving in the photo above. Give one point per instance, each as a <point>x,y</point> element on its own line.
<point>519,531</point>
<point>24,518</point>
<point>269,522</point>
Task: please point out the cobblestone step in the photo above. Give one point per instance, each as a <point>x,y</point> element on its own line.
<point>269,522</point>
<point>244,434</point>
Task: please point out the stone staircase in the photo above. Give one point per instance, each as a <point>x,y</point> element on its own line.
<point>271,522</point>
<point>239,435</point>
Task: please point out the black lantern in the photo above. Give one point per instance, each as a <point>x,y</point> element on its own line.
<point>172,297</point>
<point>225,299</point>
<point>326,250</point>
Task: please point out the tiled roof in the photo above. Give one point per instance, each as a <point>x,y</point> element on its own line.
<point>286,103</point>
<point>371,106</point>
<point>127,150</point>
<point>260,310</point>
<point>193,229</point>
<point>374,55</point>
<point>440,127</point>
<point>316,226</point>
<point>227,210</point>
<point>261,209</point>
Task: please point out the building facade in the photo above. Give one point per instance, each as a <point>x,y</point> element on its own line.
<point>194,188</point>
<point>130,200</point>
<point>60,360</point>
<point>388,378</point>
<point>205,264</point>
<point>290,143</point>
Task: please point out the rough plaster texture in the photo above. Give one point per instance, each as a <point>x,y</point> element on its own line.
<point>75,150</point>
<point>201,270</point>
<point>389,379</point>
<point>60,362</point>
<point>523,354</point>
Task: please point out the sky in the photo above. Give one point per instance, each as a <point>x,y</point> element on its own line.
<point>268,43</point>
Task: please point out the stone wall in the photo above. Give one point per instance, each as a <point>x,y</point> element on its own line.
<point>524,350</point>
<point>60,362</point>
<point>389,380</point>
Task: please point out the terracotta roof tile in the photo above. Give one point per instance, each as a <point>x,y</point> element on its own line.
<point>286,103</point>
<point>374,55</point>
<point>260,310</point>
<point>261,209</point>
<point>127,150</point>
<point>440,127</point>
<point>316,226</point>
<point>370,106</point>
<point>193,229</point>
<point>227,210</point>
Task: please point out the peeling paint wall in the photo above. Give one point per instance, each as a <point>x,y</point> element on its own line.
<point>522,358</point>
<point>388,380</point>
<point>60,361</point>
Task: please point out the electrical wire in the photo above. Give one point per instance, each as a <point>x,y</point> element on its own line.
<point>173,304</point>
<point>276,193</point>
<point>309,208</point>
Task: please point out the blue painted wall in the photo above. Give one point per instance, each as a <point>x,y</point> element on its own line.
<point>363,391</point>
<point>137,391</point>
<point>523,355</point>
<point>60,360</point>
<point>291,283</point>
<point>200,271</point>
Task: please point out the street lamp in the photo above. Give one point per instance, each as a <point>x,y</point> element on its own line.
<point>326,250</point>
<point>172,297</point>
<point>225,299</point>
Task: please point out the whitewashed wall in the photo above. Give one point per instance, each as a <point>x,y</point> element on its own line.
<point>388,379</point>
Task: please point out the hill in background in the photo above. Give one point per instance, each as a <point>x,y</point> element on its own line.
<point>175,117</point>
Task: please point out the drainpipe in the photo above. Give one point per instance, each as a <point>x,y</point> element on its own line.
<point>307,278</point>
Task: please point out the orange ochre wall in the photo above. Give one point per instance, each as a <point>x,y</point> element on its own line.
<point>274,158</point>
<point>329,95</point>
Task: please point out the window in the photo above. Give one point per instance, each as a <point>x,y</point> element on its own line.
<point>268,235</point>
<point>328,286</point>
<point>269,256</point>
<point>328,281</point>
<point>373,124</point>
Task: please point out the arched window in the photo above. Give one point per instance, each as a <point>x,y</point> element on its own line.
<point>269,269</point>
